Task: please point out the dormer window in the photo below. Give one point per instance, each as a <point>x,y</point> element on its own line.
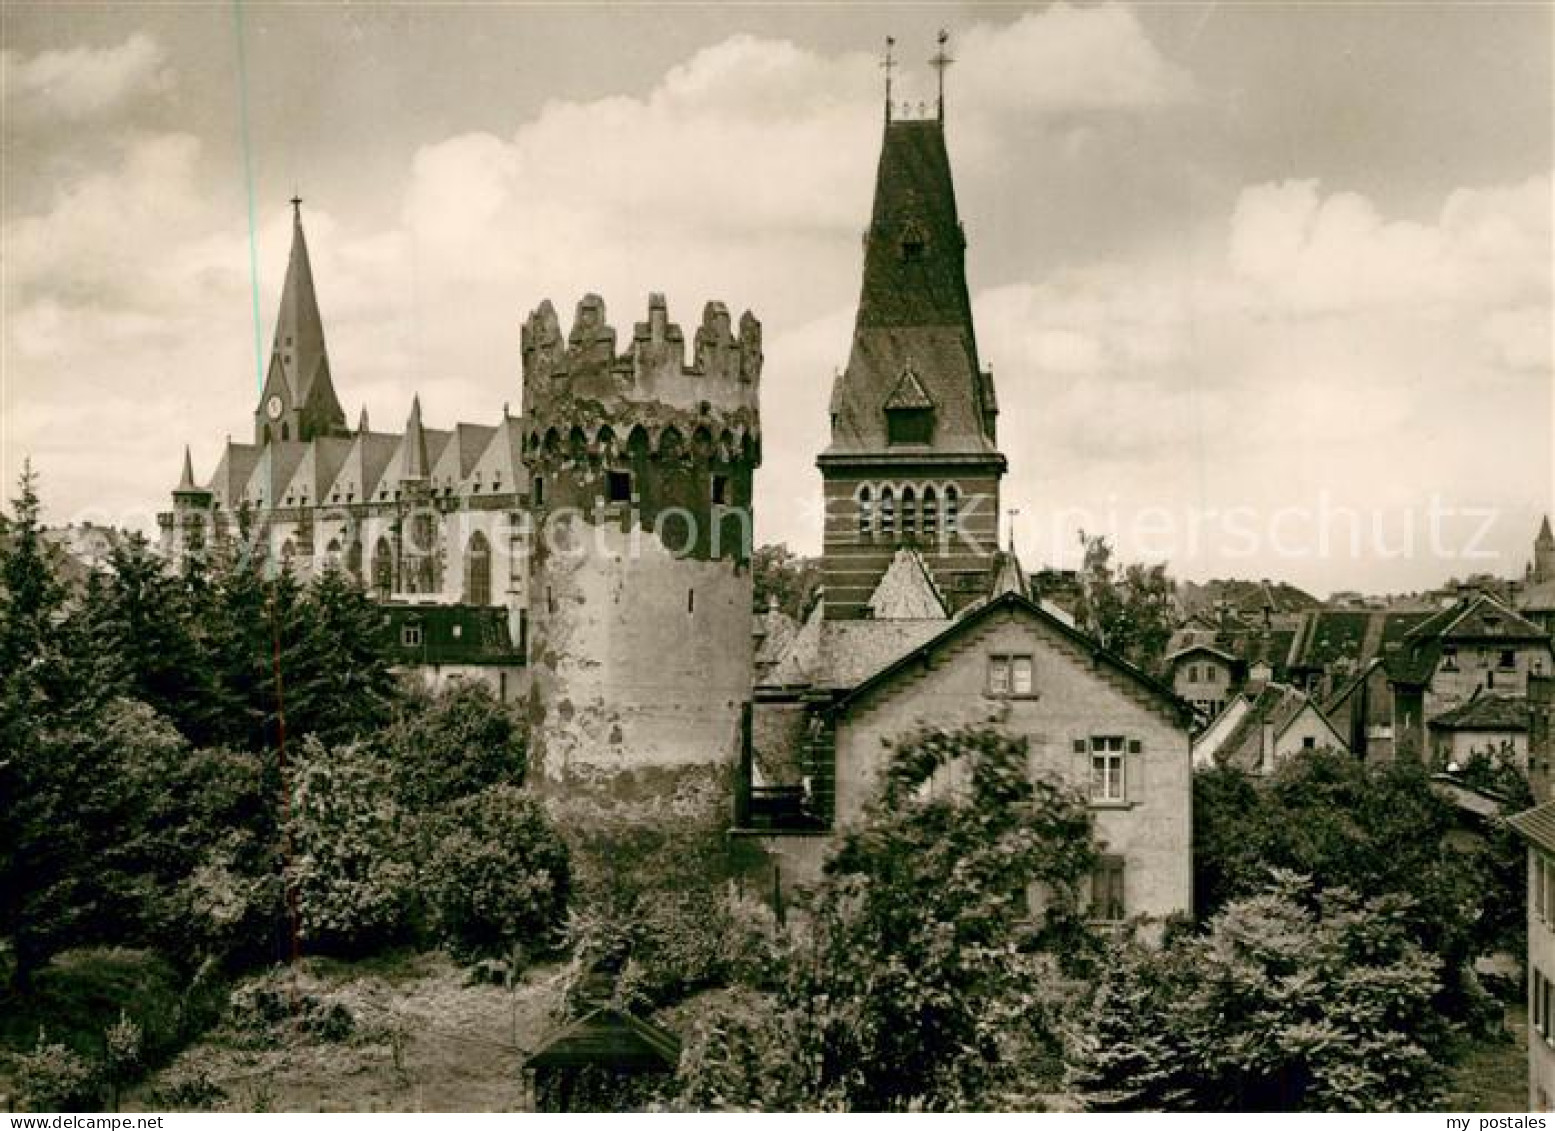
<point>912,242</point>
<point>909,411</point>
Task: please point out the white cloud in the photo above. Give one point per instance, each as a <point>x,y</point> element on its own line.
<point>1067,59</point>
<point>79,83</point>
<point>1312,253</point>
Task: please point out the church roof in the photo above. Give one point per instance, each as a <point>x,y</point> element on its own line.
<point>230,479</point>
<point>317,471</point>
<point>362,469</point>
<point>906,591</point>
<point>465,446</point>
<point>500,466</point>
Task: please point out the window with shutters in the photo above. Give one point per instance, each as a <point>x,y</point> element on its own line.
<point>1107,902</point>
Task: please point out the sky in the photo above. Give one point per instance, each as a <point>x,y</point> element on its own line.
<point>1266,288</point>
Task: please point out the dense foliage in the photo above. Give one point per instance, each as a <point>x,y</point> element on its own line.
<point>921,976</point>
<point>783,578</point>
<point>1381,830</point>
<point>1294,999</point>
<point>151,798</point>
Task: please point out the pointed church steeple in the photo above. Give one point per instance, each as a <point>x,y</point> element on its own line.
<point>298,401</point>
<point>415,466</point>
<point>188,492</point>
<point>1543,555</point>
<point>361,421</point>
<point>913,457</point>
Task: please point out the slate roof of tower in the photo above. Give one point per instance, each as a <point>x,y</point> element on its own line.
<point>914,311</point>
<point>299,330</point>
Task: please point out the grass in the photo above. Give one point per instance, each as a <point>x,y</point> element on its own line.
<point>1493,1075</point>
<point>424,1038</point>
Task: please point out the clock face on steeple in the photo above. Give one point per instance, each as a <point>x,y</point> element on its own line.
<point>273,407</point>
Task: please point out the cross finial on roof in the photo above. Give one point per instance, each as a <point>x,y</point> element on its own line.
<point>1013,512</point>
<point>296,205</point>
<point>888,64</point>
<point>939,62</point>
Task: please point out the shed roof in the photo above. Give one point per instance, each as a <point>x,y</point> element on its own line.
<point>610,1038</point>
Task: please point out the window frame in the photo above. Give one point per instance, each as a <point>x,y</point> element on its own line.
<point>1108,768</point>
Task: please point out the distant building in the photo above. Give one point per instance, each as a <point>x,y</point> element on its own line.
<point>1264,726</point>
<point>1474,646</point>
<point>424,519</point>
<point>1489,725</point>
<point>1206,677</point>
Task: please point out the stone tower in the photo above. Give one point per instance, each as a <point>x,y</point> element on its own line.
<point>298,401</point>
<point>190,528</point>
<point>1543,554</point>
<point>913,458</point>
<point>640,588</point>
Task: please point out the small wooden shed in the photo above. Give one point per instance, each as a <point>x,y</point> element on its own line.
<point>606,1060</point>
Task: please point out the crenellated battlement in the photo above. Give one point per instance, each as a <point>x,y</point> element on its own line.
<point>722,375</point>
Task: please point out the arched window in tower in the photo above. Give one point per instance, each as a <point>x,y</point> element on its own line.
<point>930,515</point>
<point>909,514</point>
<point>383,569</point>
<point>477,570</point>
<point>887,513</point>
<point>952,506</point>
<point>866,512</point>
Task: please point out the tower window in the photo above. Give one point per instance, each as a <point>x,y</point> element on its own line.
<point>909,514</point>
<point>909,425</point>
<point>720,489</point>
<point>691,600</point>
<point>866,513</point>
<point>887,513</point>
<point>618,486</point>
<point>930,515</point>
<point>952,499</point>
<point>537,492</point>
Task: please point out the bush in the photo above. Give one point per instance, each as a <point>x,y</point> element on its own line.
<point>1295,1000</point>
<point>452,744</point>
<point>190,1090</point>
<point>354,881</point>
<point>499,876</point>
<point>53,1077</point>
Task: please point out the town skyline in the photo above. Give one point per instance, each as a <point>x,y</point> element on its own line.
<point>1358,322</point>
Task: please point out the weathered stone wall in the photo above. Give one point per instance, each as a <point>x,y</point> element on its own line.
<point>640,589</point>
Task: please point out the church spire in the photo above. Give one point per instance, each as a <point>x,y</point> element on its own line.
<point>186,481</point>
<point>298,401</point>
<point>415,465</point>
<point>361,421</point>
<point>299,331</point>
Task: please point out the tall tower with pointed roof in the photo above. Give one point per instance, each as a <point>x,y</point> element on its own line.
<point>1544,554</point>
<point>298,401</point>
<point>913,458</point>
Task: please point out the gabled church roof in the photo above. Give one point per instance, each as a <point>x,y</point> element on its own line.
<point>500,466</point>
<point>359,474</point>
<point>277,463</point>
<point>232,473</point>
<point>906,591</point>
<point>465,446</point>
<point>317,470</point>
